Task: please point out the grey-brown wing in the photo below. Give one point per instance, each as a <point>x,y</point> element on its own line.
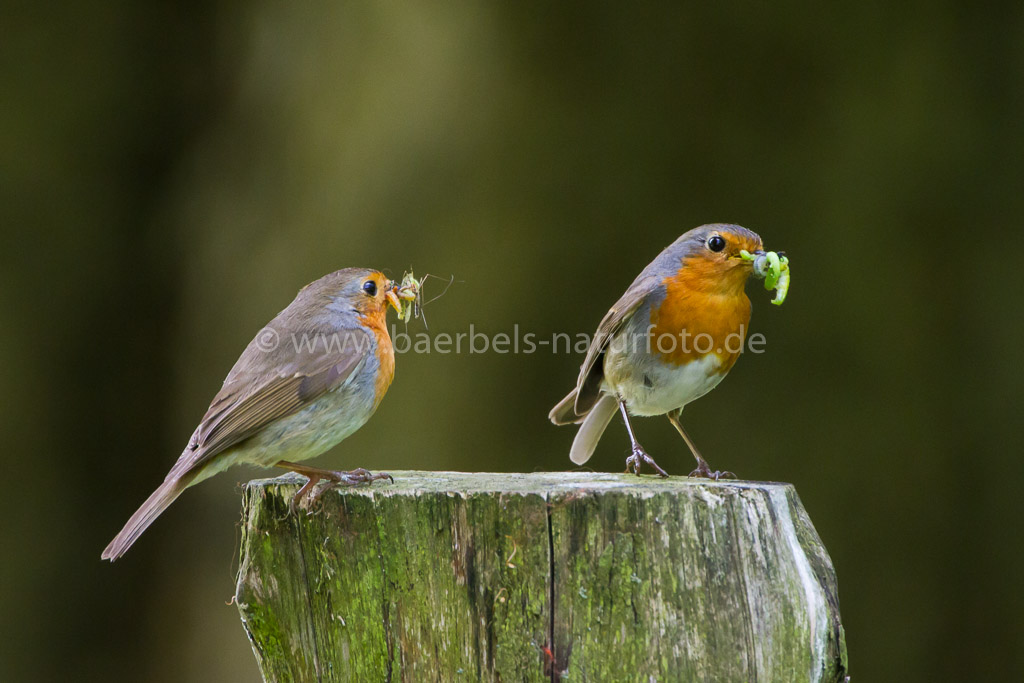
<point>588,384</point>
<point>256,394</point>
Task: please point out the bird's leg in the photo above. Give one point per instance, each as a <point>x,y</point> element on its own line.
<point>333,478</point>
<point>639,454</point>
<point>702,465</point>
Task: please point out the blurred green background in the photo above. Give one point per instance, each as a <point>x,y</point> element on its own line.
<point>172,173</point>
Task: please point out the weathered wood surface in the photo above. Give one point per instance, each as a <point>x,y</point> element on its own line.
<point>447,576</point>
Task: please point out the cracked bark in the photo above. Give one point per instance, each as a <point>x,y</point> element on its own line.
<point>538,577</point>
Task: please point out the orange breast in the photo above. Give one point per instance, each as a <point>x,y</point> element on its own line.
<point>377,323</point>
<point>705,311</point>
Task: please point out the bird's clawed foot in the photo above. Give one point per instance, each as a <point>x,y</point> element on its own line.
<point>640,456</point>
<point>310,492</point>
<point>706,472</point>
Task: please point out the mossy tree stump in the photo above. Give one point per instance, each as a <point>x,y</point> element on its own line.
<point>447,576</point>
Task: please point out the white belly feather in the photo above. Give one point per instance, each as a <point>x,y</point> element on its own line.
<point>652,387</point>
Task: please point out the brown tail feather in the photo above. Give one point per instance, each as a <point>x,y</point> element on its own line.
<point>157,502</point>
<point>592,428</point>
<point>565,412</point>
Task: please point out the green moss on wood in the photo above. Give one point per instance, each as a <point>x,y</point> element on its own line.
<point>538,577</point>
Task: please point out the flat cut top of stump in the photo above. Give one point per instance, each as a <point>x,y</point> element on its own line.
<point>579,576</point>
<point>416,481</point>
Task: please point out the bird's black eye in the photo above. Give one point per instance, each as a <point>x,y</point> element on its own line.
<point>716,243</point>
<point>370,287</point>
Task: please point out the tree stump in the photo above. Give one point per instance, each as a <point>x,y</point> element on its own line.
<point>447,576</point>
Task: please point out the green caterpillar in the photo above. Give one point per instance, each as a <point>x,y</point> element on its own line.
<point>775,271</point>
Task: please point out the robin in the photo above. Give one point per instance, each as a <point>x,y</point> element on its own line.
<point>670,339</point>
<point>313,376</point>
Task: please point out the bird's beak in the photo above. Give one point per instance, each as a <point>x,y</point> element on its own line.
<point>393,300</point>
<point>748,256</point>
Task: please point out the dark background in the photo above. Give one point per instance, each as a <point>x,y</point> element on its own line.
<point>172,173</point>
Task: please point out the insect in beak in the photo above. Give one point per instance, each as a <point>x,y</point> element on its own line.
<point>409,293</point>
<point>773,267</point>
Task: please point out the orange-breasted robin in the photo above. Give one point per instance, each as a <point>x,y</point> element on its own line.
<point>670,339</point>
<point>311,377</point>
